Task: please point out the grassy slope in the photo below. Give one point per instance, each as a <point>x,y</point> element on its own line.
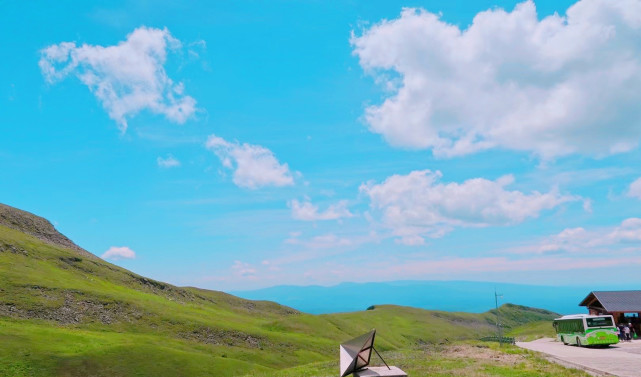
<point>469,358</point>
<point>65,314</point>
<point>533,330</point>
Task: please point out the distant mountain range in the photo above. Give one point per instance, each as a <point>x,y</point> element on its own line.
<point>466,296</point>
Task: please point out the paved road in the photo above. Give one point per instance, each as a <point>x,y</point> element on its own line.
<point>623,359</point>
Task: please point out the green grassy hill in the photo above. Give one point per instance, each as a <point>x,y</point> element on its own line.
<point>66,312</point>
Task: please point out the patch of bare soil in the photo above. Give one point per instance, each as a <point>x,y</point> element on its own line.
<point>477,352</point>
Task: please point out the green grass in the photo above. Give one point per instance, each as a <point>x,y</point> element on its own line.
<point>62,314</point>
<point>35,349</point>
<point>471,359</point>
<point>532,331</point>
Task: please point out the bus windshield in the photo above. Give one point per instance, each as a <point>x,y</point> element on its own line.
<point>599,322</point>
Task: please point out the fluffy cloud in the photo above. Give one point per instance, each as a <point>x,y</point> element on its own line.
<point>127,77</point>
<point>169,162</point>
<point>116,253</point>
<point>307,211</point>
<point>243,270</point>
<point>254,166</point>
<point>635,189</point>
<point>626,236</point>
<point>418,205</point>
<point>553,87</point>
<point>628,232</point>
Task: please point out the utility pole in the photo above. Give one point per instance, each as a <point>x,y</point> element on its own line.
<point>498,318</point>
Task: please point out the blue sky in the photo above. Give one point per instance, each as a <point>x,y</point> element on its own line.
<point>237,145</point>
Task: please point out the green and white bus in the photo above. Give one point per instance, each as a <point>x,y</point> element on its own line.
<point>586,330</point>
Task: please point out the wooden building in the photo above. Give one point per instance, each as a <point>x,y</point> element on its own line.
<point>624,306</point>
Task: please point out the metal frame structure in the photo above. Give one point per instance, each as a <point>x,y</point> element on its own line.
<point>355,354</point>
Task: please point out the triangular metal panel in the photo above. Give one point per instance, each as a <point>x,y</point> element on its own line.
<point>356,353</point>
<point>348,361</point>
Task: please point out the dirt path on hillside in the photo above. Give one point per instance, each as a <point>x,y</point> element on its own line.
<point>623,359</point>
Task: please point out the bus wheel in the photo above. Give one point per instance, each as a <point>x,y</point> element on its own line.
<point>578,342</point>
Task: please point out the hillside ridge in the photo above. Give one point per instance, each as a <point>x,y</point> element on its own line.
<point>84,316</point>
<point>38,227</point>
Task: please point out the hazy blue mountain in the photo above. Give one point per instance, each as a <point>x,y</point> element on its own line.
<point>468,296</point>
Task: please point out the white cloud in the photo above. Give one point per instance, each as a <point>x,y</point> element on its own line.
<point>319,247</point>
<point>628,232</point>
<point>168,162</point>
<point>244,270</point>
<point>626,236</point>
<point>462,267</point>
<point>127,77</point>
<point>553,87</point>
<point>254,166</point>
<point>306,211</point>
<point>418,205</point>
<point>411,240</point>
<point>635,189</point>
<point>325,241</point>
<point>116,252</point>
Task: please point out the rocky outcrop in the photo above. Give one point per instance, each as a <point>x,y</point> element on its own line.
<point>225,337</point>
<point>38,227</point>
<point>74,308</point>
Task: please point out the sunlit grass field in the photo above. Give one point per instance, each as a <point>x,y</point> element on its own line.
<point>462,358</point>
<point>532,331</point>
<point>62,314</point>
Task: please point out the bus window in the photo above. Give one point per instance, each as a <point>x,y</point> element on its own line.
<point>599,322</point>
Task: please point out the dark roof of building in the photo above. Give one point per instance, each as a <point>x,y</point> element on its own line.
<point>614,301</point>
